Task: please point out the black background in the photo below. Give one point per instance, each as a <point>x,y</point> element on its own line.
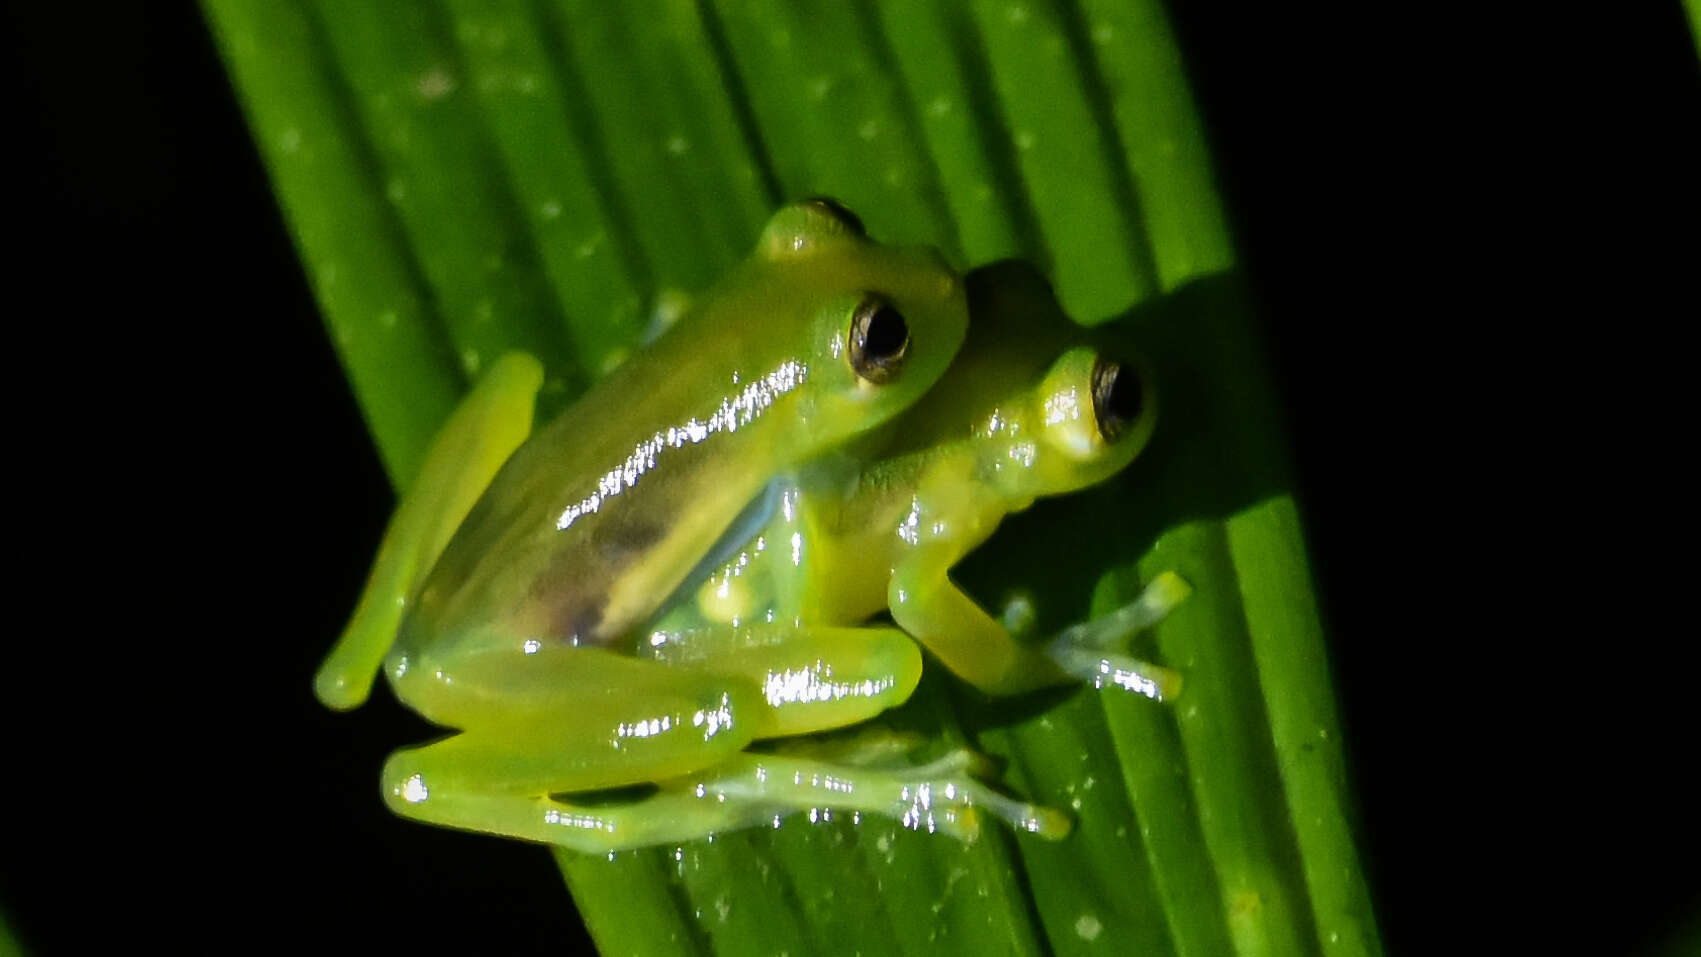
<point>198,495</point>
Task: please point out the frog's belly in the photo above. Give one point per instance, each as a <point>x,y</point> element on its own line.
<point>566,603</point>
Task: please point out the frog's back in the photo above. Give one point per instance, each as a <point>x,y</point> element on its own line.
<point>599,505</point>
<point>601,514</point>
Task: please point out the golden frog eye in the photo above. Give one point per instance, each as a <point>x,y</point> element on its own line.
<point>1118,397</point>
<point>879,339</point>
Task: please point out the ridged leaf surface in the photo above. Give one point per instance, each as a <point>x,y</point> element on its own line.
<point>467,176</point>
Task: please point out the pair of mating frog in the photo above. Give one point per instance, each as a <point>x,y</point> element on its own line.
<point>614,610</point>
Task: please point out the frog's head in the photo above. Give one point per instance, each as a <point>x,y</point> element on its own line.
<point>1093,414</point>
<point>1030,388</point>
<point>885,321</point>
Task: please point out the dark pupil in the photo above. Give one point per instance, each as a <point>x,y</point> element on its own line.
<point>1125,395</point>
<point>1116,397</point>
<point>885,334</point>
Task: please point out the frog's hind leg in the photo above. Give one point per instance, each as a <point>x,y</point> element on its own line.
<point>484,430</point>
<point>1090,651</point>
<point>755,790</point>
<point>610,731</point>
<point>578,720</point>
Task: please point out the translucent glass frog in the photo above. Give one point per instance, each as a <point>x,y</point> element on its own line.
<point>511,595</point>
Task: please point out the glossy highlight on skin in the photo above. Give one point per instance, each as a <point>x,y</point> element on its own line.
<point>794,686</point>
<point>741,410</point>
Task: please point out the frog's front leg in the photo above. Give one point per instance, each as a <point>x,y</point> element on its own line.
<point>565,720</point>
<point>484,430</point>
<point>977,648</point>
<point>927,604</point>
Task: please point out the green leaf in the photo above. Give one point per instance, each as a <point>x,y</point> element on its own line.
<point>465,177</point>
<point>9,946</point>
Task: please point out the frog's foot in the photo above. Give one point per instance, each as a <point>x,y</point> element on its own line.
<point>935,797</point>
<point>885,749</point>
<point>1091,651</point>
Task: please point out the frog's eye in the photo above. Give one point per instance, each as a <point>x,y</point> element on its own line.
<point>1118,397</point>
<point>879,338</point>
<point>832,207</point>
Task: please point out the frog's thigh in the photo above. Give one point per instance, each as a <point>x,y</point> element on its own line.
<point>484,430</point>
<point>498,776</point>
<point>813,678</point>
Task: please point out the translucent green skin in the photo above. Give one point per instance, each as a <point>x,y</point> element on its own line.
<point>511,570</point>
<point>853,538</point>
